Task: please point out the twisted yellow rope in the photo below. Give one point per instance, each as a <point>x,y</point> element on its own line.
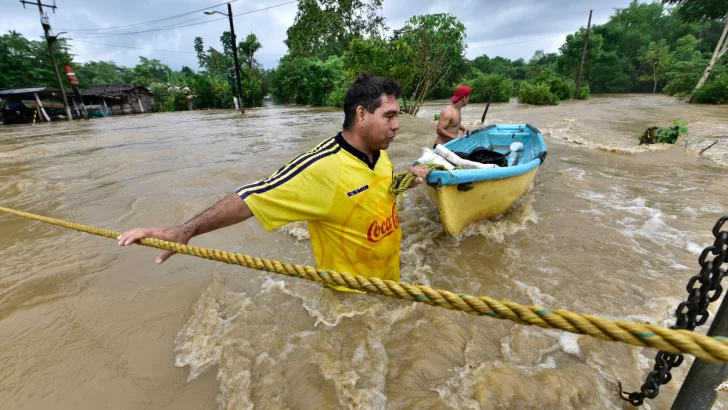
<point>710,349</point>
<point>402,181</point>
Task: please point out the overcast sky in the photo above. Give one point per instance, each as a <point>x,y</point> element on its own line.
<point>512,29</point>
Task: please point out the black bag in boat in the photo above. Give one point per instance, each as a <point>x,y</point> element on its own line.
<point>485,156</point>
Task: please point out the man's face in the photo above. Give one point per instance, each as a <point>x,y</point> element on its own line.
<point>379,127</point>
<point>465,100</point>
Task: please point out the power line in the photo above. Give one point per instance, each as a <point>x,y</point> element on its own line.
<point>181,25</point>
<point>152,49</point>
<point>173,26</point>
<point>146,22</point>
<point>517,42</point>
<point>136,48</point>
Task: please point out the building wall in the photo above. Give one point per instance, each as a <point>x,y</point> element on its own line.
<point>129,104</point>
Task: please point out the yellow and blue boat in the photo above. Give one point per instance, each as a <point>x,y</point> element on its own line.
<point>464,196</point>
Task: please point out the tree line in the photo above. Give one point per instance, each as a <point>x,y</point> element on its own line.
<point>655,47</point>
<point>25,63</point>
<point>670,46</point>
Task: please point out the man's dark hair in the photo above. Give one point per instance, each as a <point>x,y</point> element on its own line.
<point>367,91</point>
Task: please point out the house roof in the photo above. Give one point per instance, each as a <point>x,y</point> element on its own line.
<point>111,90</point>
<point>28,90</point>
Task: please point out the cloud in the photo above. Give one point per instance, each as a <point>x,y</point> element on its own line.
<point>513,29</point>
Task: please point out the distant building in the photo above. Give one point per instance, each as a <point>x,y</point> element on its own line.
<point>21,105</point>
<point>120,99</point>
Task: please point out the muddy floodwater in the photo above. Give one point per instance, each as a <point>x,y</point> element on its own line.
<point>608,228</point>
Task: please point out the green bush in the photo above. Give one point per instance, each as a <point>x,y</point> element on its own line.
<point>516,87</point>
<point>483,84</point>
<point>584,92</point>
<point>713,92</point>
<point>560,86</point>
<point>165,103</point>
<point>402,103</point>
<point>667,135</point>
<point>443,92</point>
<point>212,92</point>
<point>538,94</point>
<point>336,98</point>
<point>167,100</point>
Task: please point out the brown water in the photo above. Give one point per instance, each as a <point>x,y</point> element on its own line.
<point>608,228</point>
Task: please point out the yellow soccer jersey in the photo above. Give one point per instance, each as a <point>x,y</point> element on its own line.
<point>352,216</point>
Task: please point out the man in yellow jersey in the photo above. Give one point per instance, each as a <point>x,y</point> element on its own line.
<point>341,187</point>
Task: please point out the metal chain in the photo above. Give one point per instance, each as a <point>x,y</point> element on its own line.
<point>699,290</point>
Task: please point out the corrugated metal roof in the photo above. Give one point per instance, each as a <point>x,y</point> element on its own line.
<point>111,90</point>
<point>30,90</point>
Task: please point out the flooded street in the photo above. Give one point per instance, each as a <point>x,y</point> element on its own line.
<point>608,228</point>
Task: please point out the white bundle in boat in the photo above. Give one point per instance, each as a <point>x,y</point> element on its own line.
<point>454,159</point>
<point>429,156</point>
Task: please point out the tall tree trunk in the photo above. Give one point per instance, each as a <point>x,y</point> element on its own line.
<point>654,79</point>
<point>250,79</point>
<point>720,50</point>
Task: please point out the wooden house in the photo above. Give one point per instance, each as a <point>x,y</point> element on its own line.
<point>119,99</point>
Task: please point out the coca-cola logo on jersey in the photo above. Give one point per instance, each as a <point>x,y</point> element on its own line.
<point>379,230</point>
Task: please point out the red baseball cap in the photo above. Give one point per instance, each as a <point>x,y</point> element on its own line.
<point>460,92</point>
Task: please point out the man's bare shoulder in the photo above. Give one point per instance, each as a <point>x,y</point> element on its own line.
<point>448,111</point>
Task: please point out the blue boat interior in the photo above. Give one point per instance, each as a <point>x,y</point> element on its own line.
<point>498,138</point>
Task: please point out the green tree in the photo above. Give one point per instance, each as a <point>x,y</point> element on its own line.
<point>322,78</point>
<point>26,62</point>
<point>435,44</point>
<point>200,50</point>
<point>326,27</point>
<point>149,72</point>
<point>379,57</point>
<point>95,73</point>
<point>288,79</point>
<point>484,84</point>
<point>657,57</point>
<point>217,62</point>
<point>701,10</point>
<point>212,60</point>
<point>616,48</point>
<point>308,80</point>
<point>187,72</point>
<point>570,57</point>
<point>686,67</point>
<point>226,39</point>
<point>515,70</point>
<point>247,49</point>
<point>540,62</point>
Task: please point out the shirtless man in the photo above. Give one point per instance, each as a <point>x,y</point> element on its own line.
<point>449,125</point>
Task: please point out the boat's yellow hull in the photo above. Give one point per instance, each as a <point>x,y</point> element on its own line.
<point>486,199</point>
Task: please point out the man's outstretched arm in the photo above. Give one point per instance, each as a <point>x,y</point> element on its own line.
<point>228,211</point>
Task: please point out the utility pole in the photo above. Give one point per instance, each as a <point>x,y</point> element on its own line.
<point>250,77</point>
<point>583,57</point>
<point>50,40</point>
<point>238,73</point>
<point>235,54</point>
<point>73,80</point>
